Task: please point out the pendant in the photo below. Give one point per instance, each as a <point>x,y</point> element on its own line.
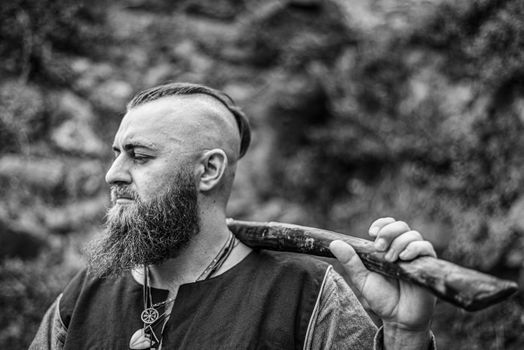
<point>149,315</point>
<point>140,340</point>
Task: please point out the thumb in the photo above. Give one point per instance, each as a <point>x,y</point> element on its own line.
<point>355,269</point>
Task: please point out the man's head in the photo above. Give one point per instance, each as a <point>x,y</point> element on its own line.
<point>179,125</point>
<point>175,158</point>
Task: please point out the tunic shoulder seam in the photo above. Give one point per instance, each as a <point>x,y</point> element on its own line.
<point>317,305</point>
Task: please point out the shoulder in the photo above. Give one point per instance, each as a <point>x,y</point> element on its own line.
<point>75,286</point>
<point>289,264</point>
<point>290,259</point>
<point>71,294</point>
<point>82,281</point>
<point>83,287</point>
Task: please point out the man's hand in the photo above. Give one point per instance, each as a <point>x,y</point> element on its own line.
<point>405,309</point>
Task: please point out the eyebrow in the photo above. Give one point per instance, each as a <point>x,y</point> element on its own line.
<point>135,144</point>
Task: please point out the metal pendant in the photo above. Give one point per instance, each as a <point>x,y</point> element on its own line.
<point>140,340</point>
<point>149,315</point>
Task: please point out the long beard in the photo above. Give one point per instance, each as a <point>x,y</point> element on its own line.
<point>146,233</point>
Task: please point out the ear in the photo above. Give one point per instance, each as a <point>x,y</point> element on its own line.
<point>214,163</point>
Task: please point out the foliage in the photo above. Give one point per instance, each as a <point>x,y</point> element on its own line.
<point>22,116</point>
<point>483,40</point>
<point>35,35</point>
<point>354,116</point>
<point>498,327</point>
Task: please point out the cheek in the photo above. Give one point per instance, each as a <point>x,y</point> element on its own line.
<point>155,180</point>
<point>150,185</point>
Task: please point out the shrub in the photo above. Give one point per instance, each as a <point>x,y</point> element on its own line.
<point>34,35</point>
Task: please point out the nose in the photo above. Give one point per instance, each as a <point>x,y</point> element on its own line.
<point>118,172</point>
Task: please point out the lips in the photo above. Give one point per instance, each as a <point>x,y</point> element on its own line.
<point>123,199</point>
<point>121,194</point>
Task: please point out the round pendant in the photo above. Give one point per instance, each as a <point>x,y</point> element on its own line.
<point>149,315</point>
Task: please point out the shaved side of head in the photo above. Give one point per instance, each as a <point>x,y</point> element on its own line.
<point>212,125</point>
<point>181,89</point>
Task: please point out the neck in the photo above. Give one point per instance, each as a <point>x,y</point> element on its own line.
<point>193,259</point>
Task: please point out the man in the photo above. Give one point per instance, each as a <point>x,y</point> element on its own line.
<point>168,273</point>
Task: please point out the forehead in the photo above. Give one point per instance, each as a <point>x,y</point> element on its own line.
<point>173,118</point>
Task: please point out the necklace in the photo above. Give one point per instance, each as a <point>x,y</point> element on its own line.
<point>151,317</point>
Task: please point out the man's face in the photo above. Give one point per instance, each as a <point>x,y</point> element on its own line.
<point>154,141</point>
<point>153,190</point>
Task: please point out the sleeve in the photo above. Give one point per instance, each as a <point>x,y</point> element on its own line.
<point>52,333</point>
<point>379,341</point>
<point>340,321</point>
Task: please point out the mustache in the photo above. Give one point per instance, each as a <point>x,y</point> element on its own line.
<point>121,191</point>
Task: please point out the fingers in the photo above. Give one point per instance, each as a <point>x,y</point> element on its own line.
<point>388,233</point>
<point>377,225</point>
<point>400,243</point>
<point>349,259</point>
<point>416,249</point>
<point>397,240</point>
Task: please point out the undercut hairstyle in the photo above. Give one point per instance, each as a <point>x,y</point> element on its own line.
<point>173,89</point>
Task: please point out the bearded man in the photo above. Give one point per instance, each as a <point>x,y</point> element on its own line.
<point>169,274</point>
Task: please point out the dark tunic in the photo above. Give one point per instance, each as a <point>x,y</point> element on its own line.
<point>264,302</point>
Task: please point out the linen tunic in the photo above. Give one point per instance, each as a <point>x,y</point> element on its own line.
<point>270,300</point>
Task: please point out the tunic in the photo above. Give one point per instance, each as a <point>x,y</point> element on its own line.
<point>270,300</point>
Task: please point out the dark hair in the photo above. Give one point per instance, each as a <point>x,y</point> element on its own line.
<point>173,89</point>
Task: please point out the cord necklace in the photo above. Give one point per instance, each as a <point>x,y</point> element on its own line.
<point>146,338</point>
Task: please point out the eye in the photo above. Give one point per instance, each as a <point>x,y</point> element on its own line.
<point>139,157</point>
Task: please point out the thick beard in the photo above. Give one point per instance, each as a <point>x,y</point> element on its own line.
<point>146,233</point>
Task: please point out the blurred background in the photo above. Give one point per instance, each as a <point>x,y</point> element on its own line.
<point>359,109</point>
